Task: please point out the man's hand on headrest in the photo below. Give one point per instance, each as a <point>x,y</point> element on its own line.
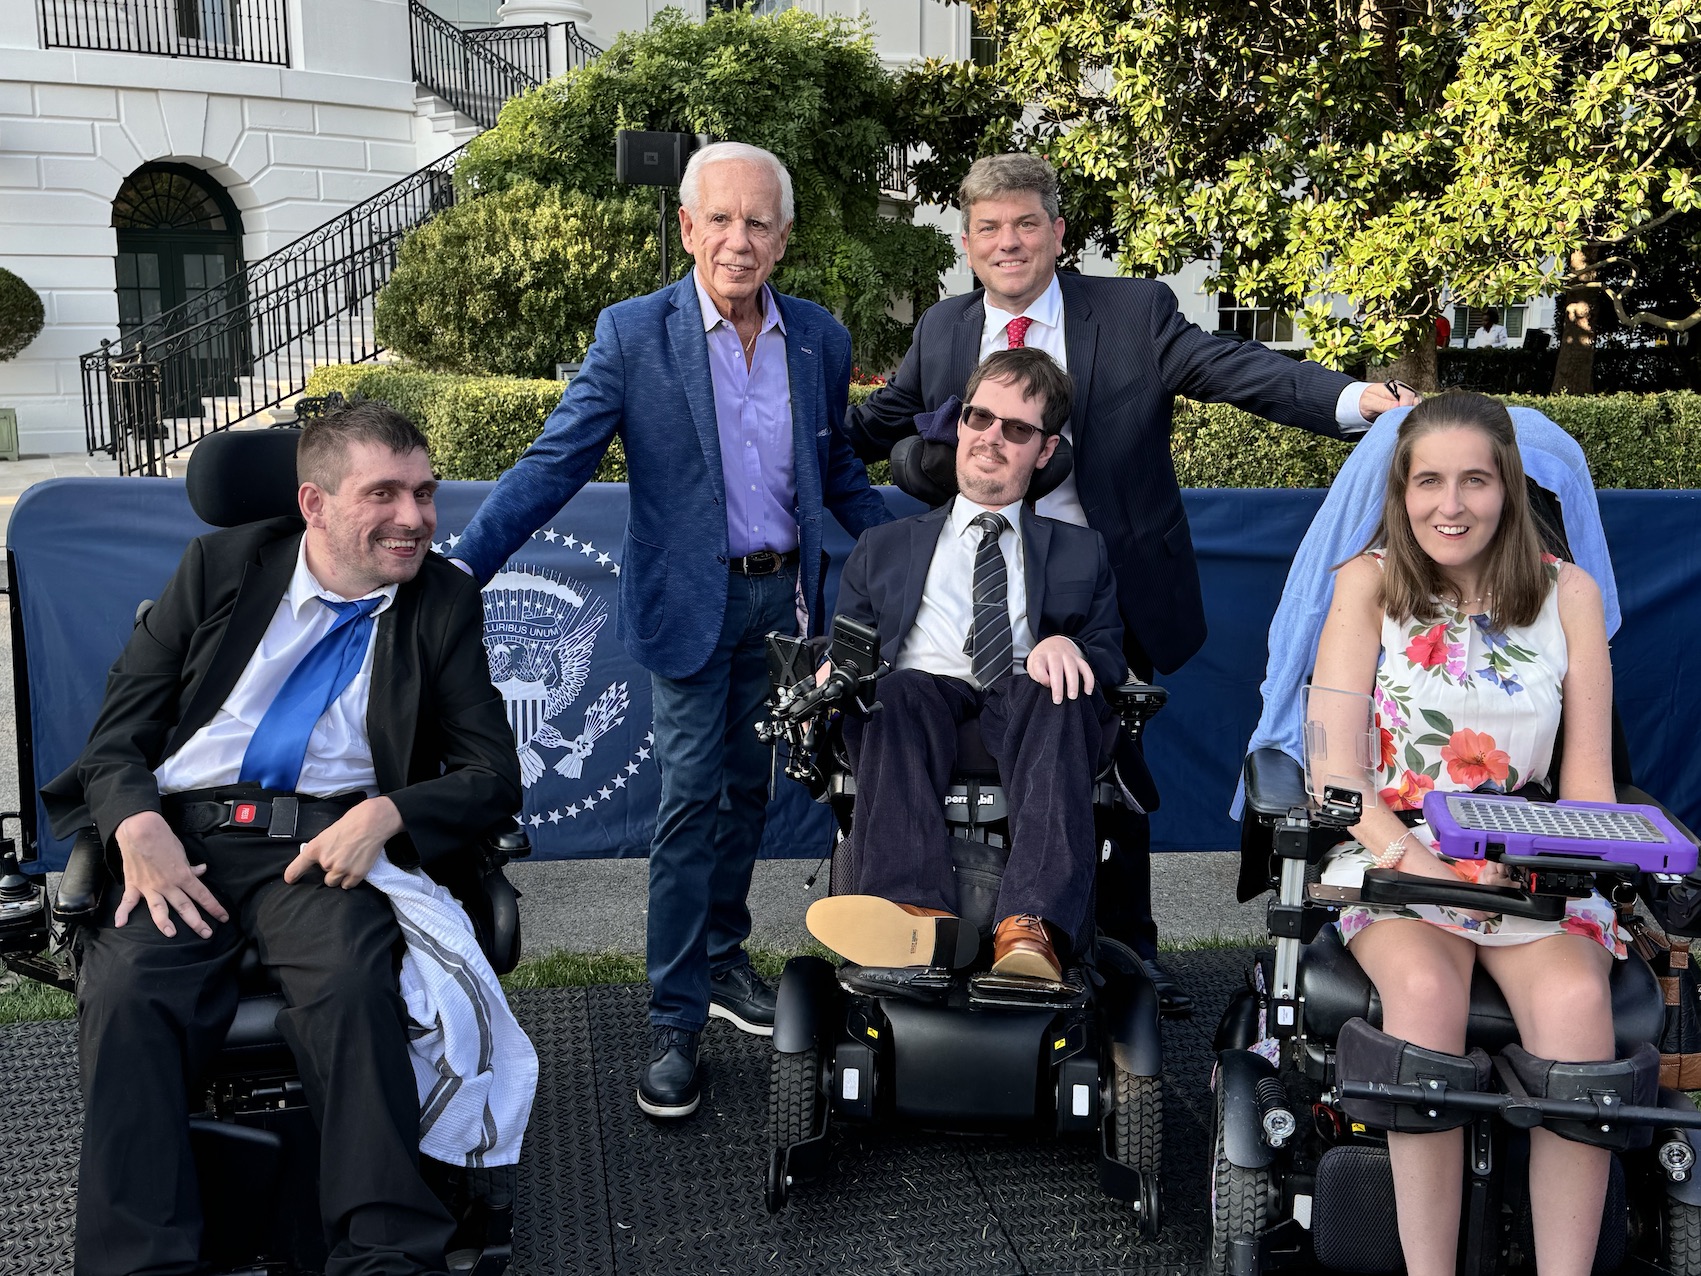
<point>157,871</point>
<point>349,848</point>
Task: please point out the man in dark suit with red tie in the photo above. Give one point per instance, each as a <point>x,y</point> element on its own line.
<point>305,694</point>
<point>1129,352</point>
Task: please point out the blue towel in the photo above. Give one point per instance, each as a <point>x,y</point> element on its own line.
<point>1343,526</point>
<point>940,425</point>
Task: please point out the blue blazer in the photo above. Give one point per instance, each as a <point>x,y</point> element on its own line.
<point>646,378</point>
<point>1071,590</point>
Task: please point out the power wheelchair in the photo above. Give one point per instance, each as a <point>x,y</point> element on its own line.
<point>957,1050</point>
<point>1299,1178</point>
<point>255,1142</point>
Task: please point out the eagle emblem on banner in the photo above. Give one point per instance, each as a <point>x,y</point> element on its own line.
<point>539,633</point>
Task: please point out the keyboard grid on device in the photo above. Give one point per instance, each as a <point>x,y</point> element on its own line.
<point>1490,816</point>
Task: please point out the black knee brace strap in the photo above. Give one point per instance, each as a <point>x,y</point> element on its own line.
<point>1363,1053</point>
<point>1632,1081</point>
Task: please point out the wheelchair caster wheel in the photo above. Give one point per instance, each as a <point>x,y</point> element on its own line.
<point>779,1182</point>
<point>1151,1207</point>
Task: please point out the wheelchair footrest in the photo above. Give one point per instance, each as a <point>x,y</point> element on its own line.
<point>913,983</point>
<point>989,989</point>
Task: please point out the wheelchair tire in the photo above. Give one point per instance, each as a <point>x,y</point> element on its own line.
<point>1241,1199</point>
<point>1680,1239</point>
<point>1138,1128</point>
<point>794,1097</point>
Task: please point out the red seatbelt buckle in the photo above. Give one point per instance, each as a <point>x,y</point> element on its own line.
<point>244,813</point>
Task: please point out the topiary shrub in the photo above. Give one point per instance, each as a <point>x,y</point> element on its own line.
<point>21,315</point>
<point>512,283</point>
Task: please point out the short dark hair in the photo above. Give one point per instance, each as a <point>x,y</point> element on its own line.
<point>1011,174</point>
<point>321,458</point>
<point>1036,372</point>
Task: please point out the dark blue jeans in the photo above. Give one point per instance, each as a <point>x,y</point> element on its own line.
<point>714,801</point>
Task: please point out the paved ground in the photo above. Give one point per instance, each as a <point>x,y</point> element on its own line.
<point>598,905</point>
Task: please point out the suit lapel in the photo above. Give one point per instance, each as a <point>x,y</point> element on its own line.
<point>690,348</point>
<point>965,345</point>
<point>392,708</point>
<point>1080,343</point>
<point>925,531</point>
<point>264,580</point>
<point>803,363</point>
<point>1036,545</point>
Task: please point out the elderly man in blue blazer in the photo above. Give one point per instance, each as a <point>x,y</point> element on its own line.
<point>985,610</point>
<point>730,401</point>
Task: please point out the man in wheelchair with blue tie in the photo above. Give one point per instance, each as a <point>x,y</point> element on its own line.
<point>984,610</point>
<point>297,701</point>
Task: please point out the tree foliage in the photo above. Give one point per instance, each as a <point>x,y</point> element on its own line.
<point>21,315</point>
<point>810,90</point>
<point>1394,152</point>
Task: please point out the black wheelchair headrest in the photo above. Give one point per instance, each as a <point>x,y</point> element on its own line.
<point>243,476</point>
<point>927,470</point>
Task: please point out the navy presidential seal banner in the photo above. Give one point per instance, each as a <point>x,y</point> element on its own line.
<point>87,551</point>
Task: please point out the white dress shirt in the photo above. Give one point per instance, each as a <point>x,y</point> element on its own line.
<point>1486,337</point>
<point>339,754</point>
<point>935,641</point>
<point>1046,333</point>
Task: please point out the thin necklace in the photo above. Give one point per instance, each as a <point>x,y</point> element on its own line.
<point>750,345</point>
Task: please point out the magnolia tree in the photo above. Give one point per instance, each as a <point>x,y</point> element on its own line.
<point>1398,153</point>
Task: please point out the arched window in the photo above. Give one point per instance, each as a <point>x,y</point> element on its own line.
<point>179,241</point>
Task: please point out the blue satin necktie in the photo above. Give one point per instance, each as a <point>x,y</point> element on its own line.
<point>279,744</point>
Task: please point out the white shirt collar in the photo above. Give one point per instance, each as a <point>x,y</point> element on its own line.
<point>712,317</point>
<point>304,587</point>
<point>963,512</point>
<point>1046,309</point>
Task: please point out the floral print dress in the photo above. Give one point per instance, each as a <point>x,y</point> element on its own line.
<point>1461,705</point>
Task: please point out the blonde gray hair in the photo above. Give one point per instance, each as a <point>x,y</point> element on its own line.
<point>690,186</point>
<point>995,175</point>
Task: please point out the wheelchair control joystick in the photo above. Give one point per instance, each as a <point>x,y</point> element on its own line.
<point>22,901</point>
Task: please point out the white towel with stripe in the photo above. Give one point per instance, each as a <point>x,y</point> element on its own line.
<point>476,1069</point>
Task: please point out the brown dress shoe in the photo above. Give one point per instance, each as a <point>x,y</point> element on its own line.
<point>872,931</point>
<point>1021,946</point>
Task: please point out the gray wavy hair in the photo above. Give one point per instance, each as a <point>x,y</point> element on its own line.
<point>690,186</point>
<point>995,175</point>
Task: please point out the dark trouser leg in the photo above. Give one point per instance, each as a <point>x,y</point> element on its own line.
<point>1047,756</point>
<point>902,758</point>
<point>334,951</point>
<point>743,808</point>
<point>704,809</point>
<point>151,1012</point>
<point>1125,886</point>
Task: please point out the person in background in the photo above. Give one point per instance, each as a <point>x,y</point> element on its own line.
<point>1490,333</point>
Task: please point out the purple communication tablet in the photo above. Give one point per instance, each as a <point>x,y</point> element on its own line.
<point>1467,825</point>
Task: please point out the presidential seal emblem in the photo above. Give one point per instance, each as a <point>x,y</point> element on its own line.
<point>539,634</point>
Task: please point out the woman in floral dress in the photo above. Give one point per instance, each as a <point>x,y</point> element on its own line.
<point>1469,639</point>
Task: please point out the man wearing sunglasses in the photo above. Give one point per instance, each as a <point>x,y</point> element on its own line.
<point>985,610</point>
<point>1129,352</point>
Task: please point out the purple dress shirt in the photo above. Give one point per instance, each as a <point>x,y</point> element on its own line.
<point>753,418</point>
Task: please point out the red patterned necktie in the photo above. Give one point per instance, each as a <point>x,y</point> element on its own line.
<point>1017,331</point>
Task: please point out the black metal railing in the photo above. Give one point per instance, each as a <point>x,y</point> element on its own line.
<point>250,343</point>
<point>526,49</point>
<point>893,171</point>
<point>477,69</point>
<point>232,30</point>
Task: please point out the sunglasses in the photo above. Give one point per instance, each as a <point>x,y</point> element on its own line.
<point>1015,432</point>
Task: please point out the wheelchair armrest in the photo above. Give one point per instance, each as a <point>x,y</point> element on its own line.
<point>1136,698</point>
<point>84,880</point>
<point>1275,783</point>
<point>509,844</point>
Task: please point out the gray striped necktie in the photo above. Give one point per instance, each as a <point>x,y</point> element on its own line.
<point>990,642</point>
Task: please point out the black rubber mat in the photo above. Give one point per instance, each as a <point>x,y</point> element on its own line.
<point>603,1190</point>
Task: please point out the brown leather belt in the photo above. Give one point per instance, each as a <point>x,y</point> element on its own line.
<point>764,562</point>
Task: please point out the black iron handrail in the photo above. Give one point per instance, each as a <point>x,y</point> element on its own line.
<point>892,172</point>
<point>247,344</point>
<point>230,30</point>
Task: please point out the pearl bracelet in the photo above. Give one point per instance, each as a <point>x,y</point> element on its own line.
<point>1394,852</point>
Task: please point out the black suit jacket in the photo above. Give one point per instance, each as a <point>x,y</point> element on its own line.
<point>1066,569</point>
<point>1130,353</point>
<point>441,745</point>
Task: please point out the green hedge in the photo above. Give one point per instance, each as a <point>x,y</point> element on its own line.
<point>478,426</point>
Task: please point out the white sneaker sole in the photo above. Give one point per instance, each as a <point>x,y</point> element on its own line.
<point>665,1112</point>
<point>718,1011</point>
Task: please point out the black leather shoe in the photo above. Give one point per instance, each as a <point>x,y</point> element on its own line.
<point>743,997</point>
<point>668,1086</point>
<point>1173,1003</point>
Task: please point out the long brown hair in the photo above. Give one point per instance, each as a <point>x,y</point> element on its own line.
<point>1413,586</point>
